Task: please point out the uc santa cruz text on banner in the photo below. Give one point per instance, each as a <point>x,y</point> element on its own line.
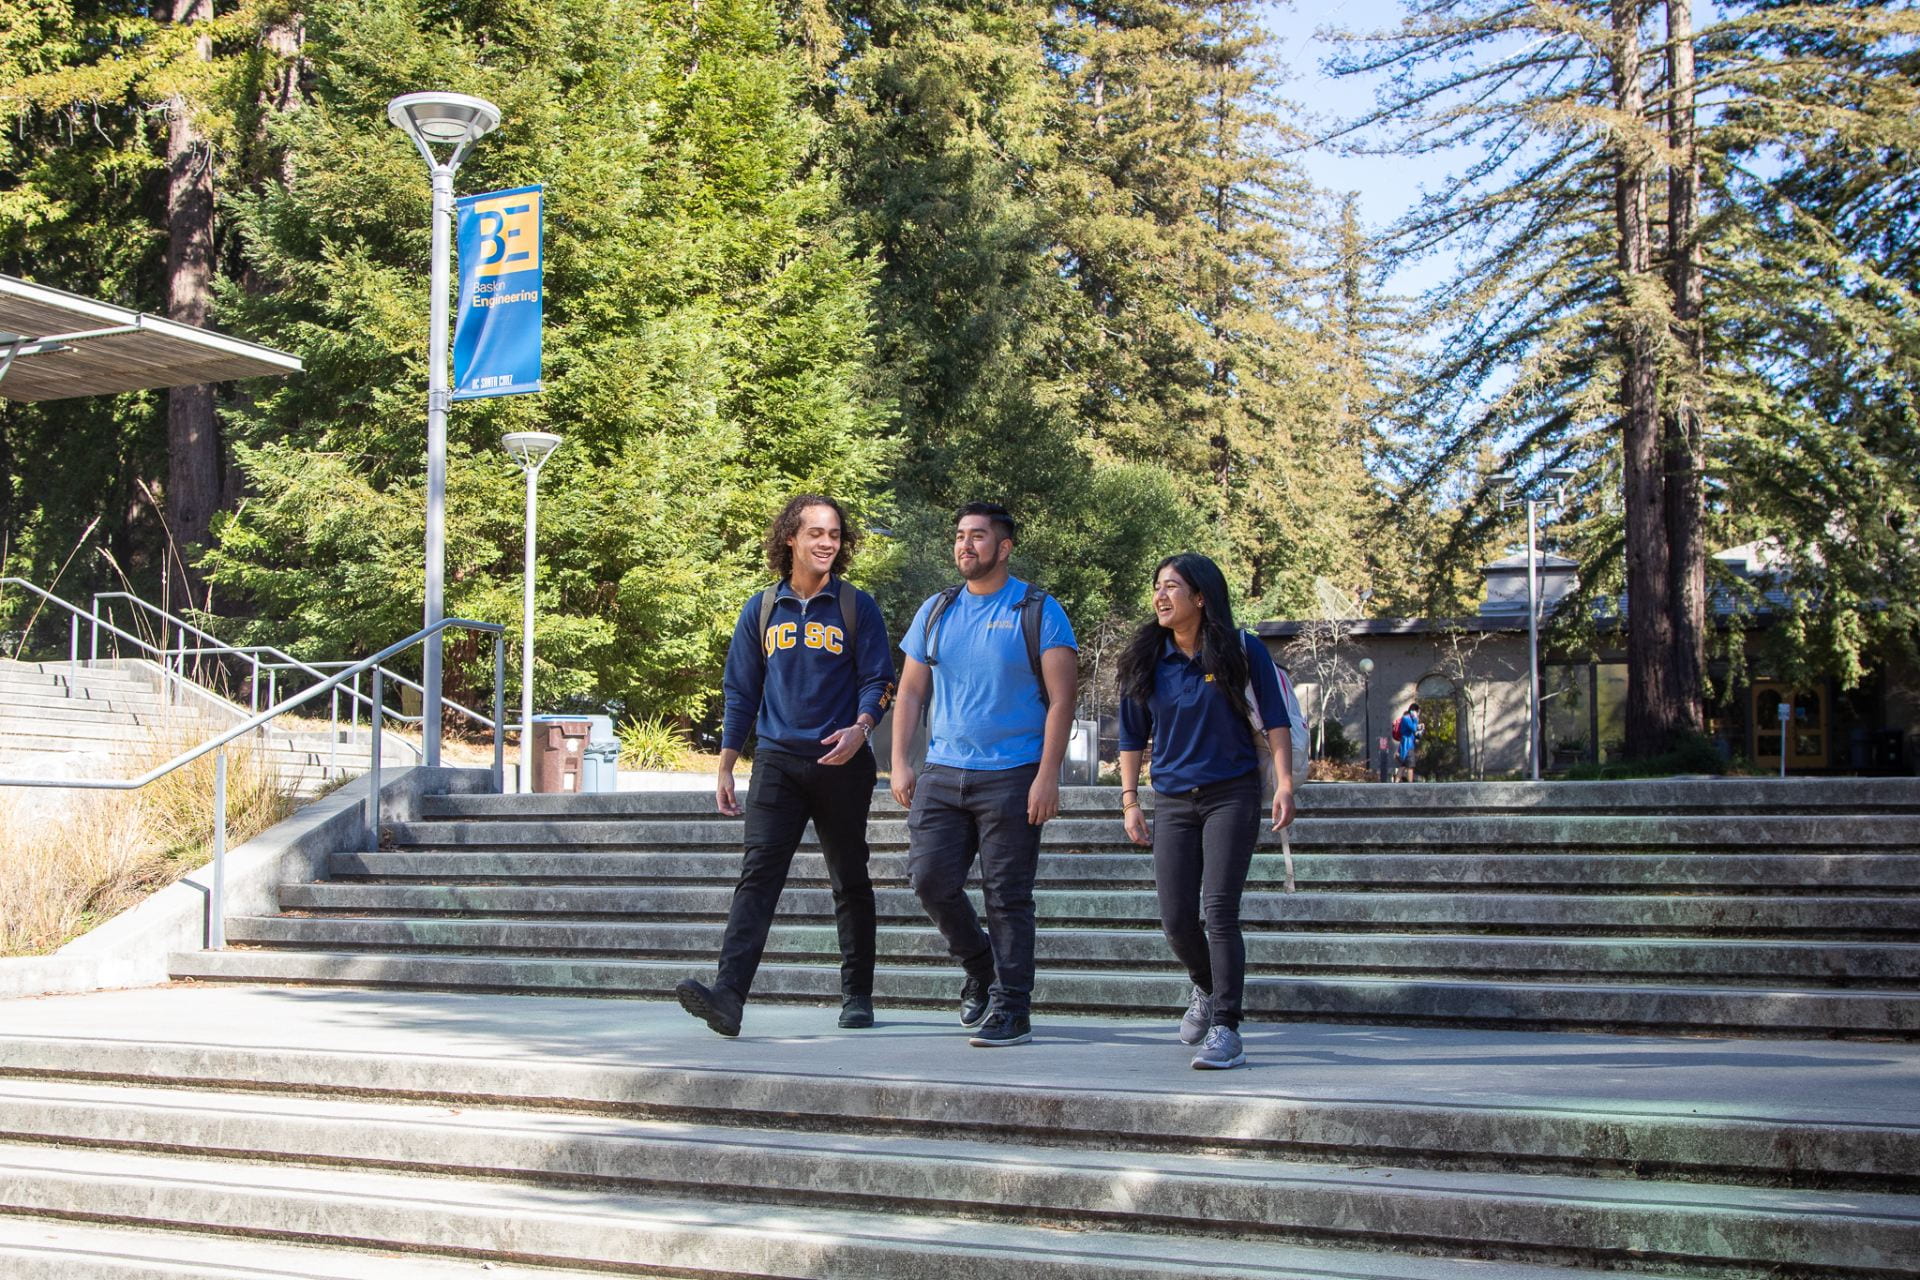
<point>496,340</point>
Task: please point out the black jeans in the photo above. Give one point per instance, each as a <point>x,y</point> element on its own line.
<point>956,813</point>
<point>1202,846</point>
<point>785,792</point>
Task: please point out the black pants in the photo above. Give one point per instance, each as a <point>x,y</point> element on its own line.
<point>785,792</point>
<point>1202,847</point>
<point>956,814</point>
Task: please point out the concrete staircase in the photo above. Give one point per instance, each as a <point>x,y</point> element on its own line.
<point>1747,907</point>
<point>96,720</point>
<point>414,1135</point>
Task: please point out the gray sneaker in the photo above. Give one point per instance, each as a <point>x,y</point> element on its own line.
<point>1221,1051</point>
<point>1199,1016</point>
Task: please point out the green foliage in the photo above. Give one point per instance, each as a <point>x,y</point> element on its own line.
<point>1694,755</point>
<point>652,743</point>
<point>706,331</point>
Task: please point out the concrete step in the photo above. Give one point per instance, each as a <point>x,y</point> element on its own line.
<point>1642,872</point>
<point>1805,1114</point>
<point>1114,1192</point>
<point>34,1248</point>
<point>1641,1006</point>
<point>589,1228</point>
<point>1742,962</point>
<point>18,714</point>
<point>1728,832</point>
<point>1672,796</point>
<point>1833,916</point>
<point>81,684</point>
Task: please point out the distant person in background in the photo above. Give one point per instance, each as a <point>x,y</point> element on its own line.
<point>1406,733</point>
<point>810,671</point>
<point>1185,681</point>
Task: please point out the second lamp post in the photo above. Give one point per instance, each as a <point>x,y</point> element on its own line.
<point>530,449</point>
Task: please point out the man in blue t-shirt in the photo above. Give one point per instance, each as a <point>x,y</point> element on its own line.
<point>996,739</point>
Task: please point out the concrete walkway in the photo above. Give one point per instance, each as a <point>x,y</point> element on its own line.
<point>1767,1081</point>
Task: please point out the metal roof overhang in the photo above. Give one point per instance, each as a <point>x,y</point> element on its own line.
<point>55,344</point>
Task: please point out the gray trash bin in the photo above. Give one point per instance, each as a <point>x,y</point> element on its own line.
<point>600,764</point>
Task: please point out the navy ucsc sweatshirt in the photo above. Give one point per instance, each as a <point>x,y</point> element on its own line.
<point>798,683</point>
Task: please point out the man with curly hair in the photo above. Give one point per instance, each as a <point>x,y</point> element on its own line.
<point>810,671</point>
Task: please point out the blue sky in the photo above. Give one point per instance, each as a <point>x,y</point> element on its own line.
<point>1387,186</point>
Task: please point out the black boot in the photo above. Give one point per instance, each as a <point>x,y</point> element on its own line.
<point>718,1007</point>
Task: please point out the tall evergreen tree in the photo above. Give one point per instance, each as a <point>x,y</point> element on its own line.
<point>706,331</point>
<point>1583,329</point>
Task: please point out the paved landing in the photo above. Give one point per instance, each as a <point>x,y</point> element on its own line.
<point>1826,1082</point>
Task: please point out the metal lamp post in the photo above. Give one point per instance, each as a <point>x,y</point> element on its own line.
<point>1366,710</point>
<point>1506,479</point>
<point>530,449</point>
<point>456,120</point>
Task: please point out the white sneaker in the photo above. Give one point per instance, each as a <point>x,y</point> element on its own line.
<point>1199,1016</point>
<point>1221,1051</point>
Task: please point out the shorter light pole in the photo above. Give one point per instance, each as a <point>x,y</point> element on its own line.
<point>530,449</point>
<point>1366,711</point>
<point>1506,479</point>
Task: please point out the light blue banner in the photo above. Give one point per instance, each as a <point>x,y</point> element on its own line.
<point>496,339</point>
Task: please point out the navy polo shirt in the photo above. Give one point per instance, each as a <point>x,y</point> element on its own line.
<point>1197,736</point>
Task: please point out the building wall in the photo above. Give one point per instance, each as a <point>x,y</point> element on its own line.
<point>1496,705</point>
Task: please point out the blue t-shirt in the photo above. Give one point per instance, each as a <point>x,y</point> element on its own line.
<point>1197,736</point>
<point>987,712</point>
<point>1409,735</point>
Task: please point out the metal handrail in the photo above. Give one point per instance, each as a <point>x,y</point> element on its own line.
<point>286,660</point>
<point>74,648</point>
<point>216,906</point>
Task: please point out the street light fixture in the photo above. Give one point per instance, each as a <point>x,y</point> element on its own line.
<point>1366,710</point>
<point>530,449</point>
<point>456,120</point>
<point>1507,482</point>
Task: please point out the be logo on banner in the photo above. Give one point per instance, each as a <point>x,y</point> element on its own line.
<point>496,340</point>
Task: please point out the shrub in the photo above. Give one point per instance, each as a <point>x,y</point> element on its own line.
<point>1694,754</point>
<point>99,852</point>
<point>1335,745</point>
<point>652,743</point>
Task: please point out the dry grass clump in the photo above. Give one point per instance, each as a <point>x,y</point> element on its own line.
<point>68,865</point>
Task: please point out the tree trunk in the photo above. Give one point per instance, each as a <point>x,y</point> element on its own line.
<point>194,477</point>
<point>1687,601</point>
<point>1649,625</point>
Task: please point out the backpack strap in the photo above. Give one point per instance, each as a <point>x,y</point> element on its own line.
<point>1030,607</point>
<point>767,598</point>
<point>931,632</point>
<point>849,597</point>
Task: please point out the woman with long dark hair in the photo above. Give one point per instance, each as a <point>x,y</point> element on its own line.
<point>1185,681</point>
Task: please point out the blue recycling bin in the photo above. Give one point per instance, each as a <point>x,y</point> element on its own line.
<point>600,763</point>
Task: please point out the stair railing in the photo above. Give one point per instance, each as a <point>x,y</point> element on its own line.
<point>216,929</point>
<point>275,660</point>
<point>171,681</point>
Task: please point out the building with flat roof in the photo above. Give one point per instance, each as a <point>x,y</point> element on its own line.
<point>1470,677</point>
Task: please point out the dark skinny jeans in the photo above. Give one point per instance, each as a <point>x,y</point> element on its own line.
<point>785,792</point>
<point>956,813</point>
<point>1203,842</point>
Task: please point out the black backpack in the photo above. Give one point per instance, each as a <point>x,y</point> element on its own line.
<point>849,612</point>
<point>1029,610</point>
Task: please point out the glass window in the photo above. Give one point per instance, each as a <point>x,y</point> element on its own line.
<point>1610,706</point>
